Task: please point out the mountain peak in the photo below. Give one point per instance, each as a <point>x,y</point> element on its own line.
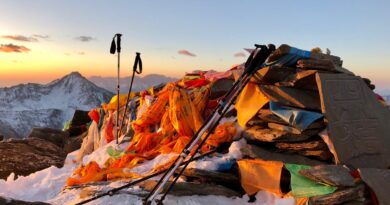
<point>74,74</point>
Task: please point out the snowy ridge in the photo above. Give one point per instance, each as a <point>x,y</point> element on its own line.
<point>25,106</point>
<point>140,83</point>
<point>71,91</point>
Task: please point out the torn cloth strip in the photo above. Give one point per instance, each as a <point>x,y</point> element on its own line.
<point>300,119</point>
<point>304,187</point>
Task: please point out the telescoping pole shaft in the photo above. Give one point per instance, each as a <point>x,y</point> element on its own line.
<point>256,59</point>
<point>112,191</point>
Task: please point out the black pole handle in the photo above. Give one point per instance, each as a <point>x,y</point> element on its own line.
<point>137,62</point>
<point>116,47</point>
<point>118,42</point>
<point>258,57</point>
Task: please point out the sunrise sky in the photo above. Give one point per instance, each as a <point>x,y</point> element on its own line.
<point>42,40</point>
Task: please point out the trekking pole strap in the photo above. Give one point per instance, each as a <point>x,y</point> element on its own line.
<point>138,63</point>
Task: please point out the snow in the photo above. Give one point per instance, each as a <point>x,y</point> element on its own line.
<point>47,185</point>
<point>39,186</point>
<point>25,106</point>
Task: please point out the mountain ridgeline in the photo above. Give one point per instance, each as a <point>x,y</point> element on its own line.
<point>25,106</point>
<point>140,83</point>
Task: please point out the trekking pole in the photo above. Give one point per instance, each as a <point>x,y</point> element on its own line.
<point>137,64</point>
<point>112,191</point>
<point>211,117</point>
<point>255,60</point>
<point>117,48</point>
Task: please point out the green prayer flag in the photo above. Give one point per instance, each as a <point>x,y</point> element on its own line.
<point>304,187</point>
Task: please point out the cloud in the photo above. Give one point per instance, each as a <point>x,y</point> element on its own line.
<point>240,54</point>
<point>186,53</point>
<point>20,38</point>
<point>9,48</point>
<point>81,53</point>
<point>84,38</point>
<point>41,36</point>
<point>249,50</point>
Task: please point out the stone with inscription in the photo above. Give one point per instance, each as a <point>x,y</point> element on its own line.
<point>358,125</point>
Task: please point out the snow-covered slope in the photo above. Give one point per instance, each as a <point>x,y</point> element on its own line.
<point>25,106</point>
<point>46,185</point>
<point>140,83</point>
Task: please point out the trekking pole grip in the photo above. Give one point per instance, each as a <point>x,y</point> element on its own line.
<point>118,42</point>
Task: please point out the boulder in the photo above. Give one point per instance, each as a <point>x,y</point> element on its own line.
<point>57,137</point>
<point>27,156</point>
<point>74,143</point>
<point>78,123</point>
<point>1,137</point>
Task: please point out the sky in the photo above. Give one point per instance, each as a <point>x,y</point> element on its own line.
<point>42,40</point>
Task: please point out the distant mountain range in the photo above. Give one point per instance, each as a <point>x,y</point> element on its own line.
<point>140,83</point>
<point>25,106</point>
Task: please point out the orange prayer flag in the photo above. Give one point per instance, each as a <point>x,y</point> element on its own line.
<point>249,102</point>
<point>259,174</point>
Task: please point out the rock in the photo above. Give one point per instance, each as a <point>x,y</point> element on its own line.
<point>301,146</point>
<point>379,181</point>
<point>78,123</point>
<point>258,152</point>
<point>304,99</point>
<point>27,156</point>
<point>335,175</point>
<point>190,189</point>
<point>315,148</point>
<point>80,117</point>
<point>293,130</point>
<point>358,125</point>
<point>271,135</point>
<point>58,137</point>
<point>74,143</point>
<point>213,177</point>
<point>1,137</point>
<point>267,116</point>
<point>220,87</point>
<point>303,79</point>
<point>339,197</point>
<point>9,201</point>
<point>271,74</point>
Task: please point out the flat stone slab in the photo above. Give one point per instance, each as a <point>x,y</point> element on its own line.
<point>271,135</point>
<point>254,152</point>
<point>335,175</point>
<point>304,99</point>
<point>358,125</point>
<point>340,196</point>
